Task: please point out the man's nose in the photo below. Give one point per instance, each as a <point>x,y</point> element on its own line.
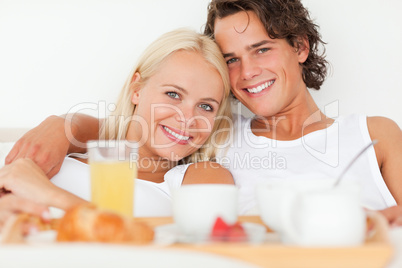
<point>249,69</point>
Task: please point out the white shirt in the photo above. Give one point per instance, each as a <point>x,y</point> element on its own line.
<point>322,154</point>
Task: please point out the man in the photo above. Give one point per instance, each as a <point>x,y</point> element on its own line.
<point>272,51</point>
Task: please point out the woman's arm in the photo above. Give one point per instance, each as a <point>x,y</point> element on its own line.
<point>207,172</point>
<point>24,179</point>
<point>48,143</point>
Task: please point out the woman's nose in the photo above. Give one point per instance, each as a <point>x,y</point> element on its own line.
<point>186,116</point>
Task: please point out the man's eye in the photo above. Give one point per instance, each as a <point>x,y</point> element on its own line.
<point>173,95</point>
<point>206,107</point>
<point>231,61</point>
<point>262,50</point>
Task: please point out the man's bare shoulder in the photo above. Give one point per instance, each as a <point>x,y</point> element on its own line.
<point>382,127</point>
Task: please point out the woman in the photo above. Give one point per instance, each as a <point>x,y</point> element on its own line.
<point>174,99</point>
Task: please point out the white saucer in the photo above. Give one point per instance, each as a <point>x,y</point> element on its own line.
<point>42,237</point>
<point>170,233</point>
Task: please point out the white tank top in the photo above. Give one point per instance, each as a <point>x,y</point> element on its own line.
<point>150,199</point>
<point>322,154</point>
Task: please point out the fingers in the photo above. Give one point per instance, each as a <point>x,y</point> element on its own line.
<point>40,157</point>
<point>4,215</point>
<point>25,179</point>
<point>3,192</point>
<point>393,215</point>
<point>45,144</point>
<point>13,153</point>
<point>389,213</point>
<point>12,204</point>
<point>397,222</point>
<point>19,150</point>
<point>42,160</point>
<point>54,171</point>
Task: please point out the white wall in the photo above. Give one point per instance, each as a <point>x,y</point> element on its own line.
<point>365,49</point>
<point>56,54</point>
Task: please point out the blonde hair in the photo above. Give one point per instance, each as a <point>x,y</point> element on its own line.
<point>147,66</point>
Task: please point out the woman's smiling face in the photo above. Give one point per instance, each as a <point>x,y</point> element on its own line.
<point>176,108</point>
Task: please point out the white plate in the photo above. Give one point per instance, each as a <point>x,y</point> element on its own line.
<point>169,234</point>
<point>42,237</point>
<point>103,255</point>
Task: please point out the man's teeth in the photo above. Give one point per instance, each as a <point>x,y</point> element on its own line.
<point>260,87</point>
<point>177,136</point>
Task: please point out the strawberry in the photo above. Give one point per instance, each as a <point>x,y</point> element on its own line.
<point>230,233</point>
<point>219,230</point>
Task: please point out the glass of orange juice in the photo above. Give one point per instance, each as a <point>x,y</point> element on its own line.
<point>113,169</point>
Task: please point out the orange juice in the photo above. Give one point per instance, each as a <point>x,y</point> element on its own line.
<point>112,185</point>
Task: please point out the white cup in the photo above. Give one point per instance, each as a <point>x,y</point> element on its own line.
<point>272,195</point>
<point>196,207</point>
<point>314,213</point>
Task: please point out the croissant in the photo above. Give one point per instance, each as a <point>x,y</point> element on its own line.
<point>87,223</point>
<point>16,227</point>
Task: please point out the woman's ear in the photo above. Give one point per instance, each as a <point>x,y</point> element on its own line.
<point>135,98</point>
<point>303,49</point>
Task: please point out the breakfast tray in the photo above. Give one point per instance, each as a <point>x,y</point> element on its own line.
<point>375,252</point>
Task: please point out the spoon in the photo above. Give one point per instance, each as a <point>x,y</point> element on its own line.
<point>353,161</point>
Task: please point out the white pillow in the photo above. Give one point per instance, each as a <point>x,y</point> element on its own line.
<point>5,147</point>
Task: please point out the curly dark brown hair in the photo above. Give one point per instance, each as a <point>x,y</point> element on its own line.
<point>283,19</point>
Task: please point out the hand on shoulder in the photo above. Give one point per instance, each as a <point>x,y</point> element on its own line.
<point>46,145</point>
<point>49,142</point>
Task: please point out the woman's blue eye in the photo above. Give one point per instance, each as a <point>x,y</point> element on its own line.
<point>206,107</point>
<point>231,61</point>
<point>173,95</point>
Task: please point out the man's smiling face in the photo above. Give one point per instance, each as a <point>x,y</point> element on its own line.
<point>265,74</point>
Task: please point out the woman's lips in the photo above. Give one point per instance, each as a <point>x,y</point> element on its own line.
<point>180,138</point>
